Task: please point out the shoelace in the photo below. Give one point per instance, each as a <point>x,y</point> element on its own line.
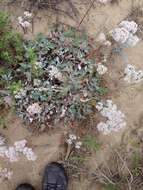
<point>52,186</point>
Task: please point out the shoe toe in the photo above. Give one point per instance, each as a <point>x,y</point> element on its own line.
<point>25,186</point>
<point>55,174</point>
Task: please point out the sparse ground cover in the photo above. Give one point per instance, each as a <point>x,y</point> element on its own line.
<point>84,84</point>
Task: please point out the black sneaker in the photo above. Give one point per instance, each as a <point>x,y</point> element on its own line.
<point>25,186</point>
<point>55,177</point>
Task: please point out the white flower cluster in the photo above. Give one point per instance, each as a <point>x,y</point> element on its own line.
<point>132,75</point>
<point>20,94</point>
<point>54,72</point>
<point>101,69</point>
<point>115,118</point>
<point>38,65</point>
<point>12,152</point>
<point>103,1</point>
<point>102,39</point>
<point>125,33</point>
<point>2,140</point>
<point>28,152</point>
<point>74,140</point>
<point>25,20</point>
<point>5,174</point>
<point>34,109</point>
<point>64,109</point>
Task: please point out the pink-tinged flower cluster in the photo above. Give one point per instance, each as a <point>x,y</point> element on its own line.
<point>13,152</point>
<point>34,109</point>
<point>5,174</point>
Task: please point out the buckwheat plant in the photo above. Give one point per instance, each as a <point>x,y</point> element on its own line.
<point>124,34</point>
<point>59,81</point>
<point>115,118</point>
<point>132,75</point>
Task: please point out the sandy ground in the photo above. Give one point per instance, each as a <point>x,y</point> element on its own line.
<point>46,146</point>
<point>127,97</point>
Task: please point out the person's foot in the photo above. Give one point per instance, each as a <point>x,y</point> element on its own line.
<point>55,177</point>
<point>25,186</point>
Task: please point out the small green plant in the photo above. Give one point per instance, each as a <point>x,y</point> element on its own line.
<point>110,187</point>
<point>136,163</point>
<point>3,123</point>
<point>91,143</point>
<point>136,159</point>
<point>31,56</point>
<point>15,87</point>
<point>78,158</point>
<point>11,47</point>
<point>1,101</point>
<point>4,21</point>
